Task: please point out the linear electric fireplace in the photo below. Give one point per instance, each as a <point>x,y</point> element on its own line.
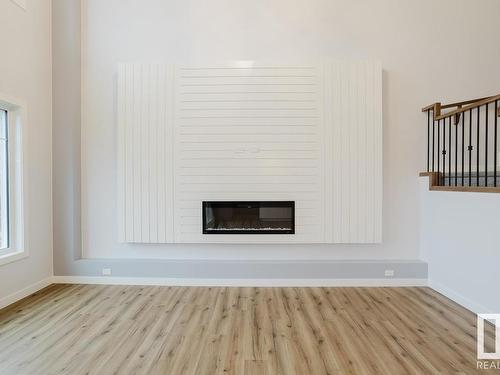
<point>249,217</point>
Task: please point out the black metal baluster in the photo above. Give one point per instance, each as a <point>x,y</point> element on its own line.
<point>438,146</point>
<point>486,149</point>
<point>444,152</point>
<point>470,147</point>
<point>449,151</point>
<point>428,138</point>
<point>463,147</point>
<point>456,152</point>
<point>433,135</point>
<point>495,144</point>
<point>477,145</point>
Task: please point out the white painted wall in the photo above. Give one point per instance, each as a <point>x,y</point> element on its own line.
<point>460,242</point>
<point>26,73</point>
<point>420,45</point>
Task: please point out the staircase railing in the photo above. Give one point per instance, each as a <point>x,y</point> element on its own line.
<point>462,142</point>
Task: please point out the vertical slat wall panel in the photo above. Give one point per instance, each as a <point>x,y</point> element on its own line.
<point>328,95</point>
<point>353,169</point>
<point>376,105</point>
<point>121,152</point>
<point>145,160</point>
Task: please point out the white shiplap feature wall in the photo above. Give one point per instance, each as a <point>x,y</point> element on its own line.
<point>145,153</point>
<point>248,134</point>
<point>353,152</point>
<point>307,133</point>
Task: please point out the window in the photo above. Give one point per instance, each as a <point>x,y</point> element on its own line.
<point>12,176</point>
<point>4,181</point>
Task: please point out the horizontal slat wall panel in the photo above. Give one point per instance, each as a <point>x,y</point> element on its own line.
<point>247,179</point>
<point>242,146</point>
<point>251,138</point>
<point>247,90</point>
<point>304,205</point>
<point>248,130</point>
<point>145,160</point>
<point>353,137</point>
<point>248,134</point>
<point>246,71</point>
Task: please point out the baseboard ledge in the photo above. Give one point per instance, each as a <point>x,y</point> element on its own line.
<point>219,269</point>
<point>458,298</point>
<point>239,282</point>
<point>23,293</point>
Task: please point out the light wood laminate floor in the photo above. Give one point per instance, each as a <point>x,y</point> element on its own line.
<point>90,329</point>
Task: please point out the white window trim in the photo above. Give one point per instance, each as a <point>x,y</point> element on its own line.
<point>17,179</point>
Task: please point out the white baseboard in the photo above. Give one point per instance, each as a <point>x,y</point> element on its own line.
<point>458,298</point>
<point>6,301</point>
<point>238,282</point>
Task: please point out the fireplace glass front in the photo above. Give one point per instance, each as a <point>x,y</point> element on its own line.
<point>259,217</point>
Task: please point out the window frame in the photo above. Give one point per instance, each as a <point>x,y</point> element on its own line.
<point>7,158</point>
<point>16,122</point>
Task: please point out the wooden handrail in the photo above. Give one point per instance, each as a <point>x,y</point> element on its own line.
<point>430,107</point>
<point>460,104</point>
<point>451,105</point>
<point>469,104</point>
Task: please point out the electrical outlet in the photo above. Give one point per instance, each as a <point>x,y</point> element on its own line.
<point>389,273</point>
<point>106,271</point>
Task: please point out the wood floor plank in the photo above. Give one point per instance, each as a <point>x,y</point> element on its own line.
<point>90,329</point>
<point>255,368</point>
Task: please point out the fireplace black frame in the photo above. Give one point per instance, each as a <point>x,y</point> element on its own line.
<point>252,204</point>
